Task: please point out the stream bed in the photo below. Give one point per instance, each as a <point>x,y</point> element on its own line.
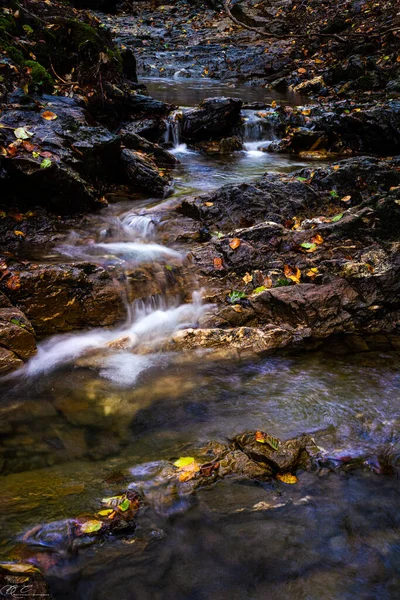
<point>75,429</point>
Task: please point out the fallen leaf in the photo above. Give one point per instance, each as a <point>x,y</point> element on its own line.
<point>22,134</point>
<point>28,146</point>
<point>292,273</point>
<point>260,289</point>
<point>247,278</point>
<point>302,70</point>
<point>265,438</point>
<point>19,233</point>
<point>287,478</point>
<point>105,513</point>
<point>337,218</point>
<point>19,567</point>
<point>46,163</point>
<point>317,239</point>
<point>49,116</point>
<point>112,501</point>
<point>237,308</point>
<point>218,263</point>
<point>208,203</point>
<point>124,505</point>
<point>13,282</point>
<point>267,283</point>
<point>91,526</point>
<point>346,199</point>
<point>312,273</point>
<point>273,104</point>
<point>336,167</point>
<point>306,112</point>
<point>184,461</point>
<point>235,243</point>
<point>3,151</point>
<point>309,247</point>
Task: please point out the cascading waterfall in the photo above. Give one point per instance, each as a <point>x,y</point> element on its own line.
<point>172,135</point>
<point>257,132</point>
<point>148,322</point>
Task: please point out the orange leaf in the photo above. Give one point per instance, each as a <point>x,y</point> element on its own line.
<point>292,273</point>
<point>218,263</point>
<point>235,243</point>
<point>302,70</point>
<point>336,167</point>
<point>49,116</point>
<point>28,146</point>
<point>273,104</point>
<point>19,233</point>
<point>267,282</point>
<point>208,203</point>
<point>13,282</point>
<point>317,239</point>
<point>346,199</point>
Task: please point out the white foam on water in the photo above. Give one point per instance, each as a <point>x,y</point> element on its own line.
<point>120,252</point>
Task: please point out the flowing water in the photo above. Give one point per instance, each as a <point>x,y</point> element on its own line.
<point>89,417</point>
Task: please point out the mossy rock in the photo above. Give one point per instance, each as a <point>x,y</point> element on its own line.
<point>40,78</point>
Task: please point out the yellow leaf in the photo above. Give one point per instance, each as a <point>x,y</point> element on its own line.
<point>49,116</point>
<point>19,233</point>
<point>105,513</point>
<point>336,167</point>
<point>292,273</point>
<point>91,526</point>
<point>208,203</point>
<point>19,567</point>
<point>247,278</point>
<point>184,461</point>
<point>306,112</point>
<point>273,104</point>
<point>235,243</point>
<point>287,478</point>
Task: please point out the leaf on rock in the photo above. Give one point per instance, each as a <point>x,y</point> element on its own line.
<point>28,146</point>
<point>19,233</point>
<point>13,282</point>
<point>337,218</point>
<point>184,461</point>
<point>312,273</point>
<point>218,263</point>
<point>247,278</point>
<point>287,478</point>
<point>49,116</point>
<point>19,567</point>
<point>105,513</point>
<point>21,133</point>
<point>235,243</point>
<point>309,247</point>
<point>317,239</point>
<point>46,163</point>
<point>124,505</point>
<point>346,199</point>
<point>91,526</point>
<point>3,151</point>
<point>260,289</point>
<point>208,203</point>
<point>265,438</point>
<point>112,501</point>
<point>292,273</point>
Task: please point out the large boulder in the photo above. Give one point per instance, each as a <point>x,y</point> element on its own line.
<point>215,118</point>
<point>142,171</point>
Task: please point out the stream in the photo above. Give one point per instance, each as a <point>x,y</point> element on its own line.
<point>87,418</point>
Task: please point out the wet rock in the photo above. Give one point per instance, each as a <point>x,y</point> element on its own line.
<point>142,172</point>
<point>63,158</point>
<point>132,141</point>
<point>311,86</point>
<point>224,146</point>
<point>65,297</point>
<point>150,128</point>
<point>215,118</point>
<point>22,579</point>
<point>278,456</point>
<point>17,339</point>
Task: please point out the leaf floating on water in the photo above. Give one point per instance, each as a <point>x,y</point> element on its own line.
<point>49,116</point>
<point>22,134</point>
<point>91,526</point>
<point>19,567</point>
<point>184,461</point>
<point>124,505</point>
<point>235,243</point>
<point>287,478</point>
<point>292,273</point>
